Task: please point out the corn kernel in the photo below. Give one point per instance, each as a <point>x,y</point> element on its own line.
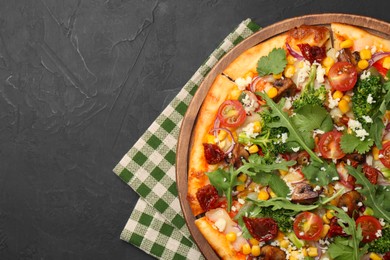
<point>346,98</point>
<point>256,127</point>
<point>325,230</point>
<point>249,74</point>
<point>280,236</point>
<point>327,70</point>
<point>328,62</point>
<point>312,251</point>
<point>246,249</point>
<point>337,94</point>
<point>290,59</point>
<point>254,241</point>
<point>293,258</point>
<point>304,252</point>
<point>289,71</point>
<point>301,64</point>
<point>253,149</point>
<point>277,76</point>
<point>273,194</point>
<point>363,64</point>
<point>330,214</point>
<point>346,44</point>
<point>386,63</point>
<point>256,250</point>
<point>344,106</point>
<point>294,255</point>
<point>374,256</point>
<point>243,177</point>
<point>325,219</point>
<point>222,135</point>
<point>284,243</point>
<point>240,187</point>
<point>365,54</point>
<point>272,92</point>
<point>283,173</point>
<point>375,153</point>
<point>263,195</point>
<point>235,94</point>
<point>231,236</point>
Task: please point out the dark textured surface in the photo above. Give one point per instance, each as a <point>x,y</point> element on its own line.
<point>80,81</point>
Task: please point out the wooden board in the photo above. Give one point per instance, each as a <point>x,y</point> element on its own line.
<point>372,25</point>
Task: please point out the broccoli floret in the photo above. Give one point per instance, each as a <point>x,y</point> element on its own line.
<point>310,95</point>
<point>281,216</point>
<point>368,95</point>
<point>382,244</point>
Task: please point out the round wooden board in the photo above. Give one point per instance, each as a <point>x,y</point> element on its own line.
<point>375,26</point>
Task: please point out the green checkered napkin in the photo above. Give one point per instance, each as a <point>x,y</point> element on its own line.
<point>156,224</point>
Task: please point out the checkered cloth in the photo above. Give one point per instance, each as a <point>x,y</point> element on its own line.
<point>156,224</point>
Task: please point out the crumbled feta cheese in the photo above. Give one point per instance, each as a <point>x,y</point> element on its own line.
<point>348,162</point>
<point>318,132</point>
<point>373,49</point>
<point>250,105</point>
<point>224,179</point>
<point>339,128</point>
<point>378,233</point>
<point>345,209</point>
<point>360,204</point>
<point>317,188</point>
<point>243,82</point>
<point>365,74</point>
<point>249,130</point>
<point>241,201</point>
<point>220,224</point>
<point>233,208</point>
<point>354,124</point>
<point>367,119</point>
<point>370,99</point>
<point>369,159</point>
<point>295,149</point>
<point>320,74</point>
<point>381,156</point>
<point>362,134</point>
<point>335,178</point>
<point>323,169</point>
<point>284,137</point>
<point>303,72</point>
<point>301,233</point>
<point>382,221</point>
<point>332,102</point>
<point>288,104</point>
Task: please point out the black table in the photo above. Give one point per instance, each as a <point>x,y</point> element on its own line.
<point>81,80</point>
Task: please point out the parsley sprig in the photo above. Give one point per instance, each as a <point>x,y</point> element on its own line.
<point>274,63</point>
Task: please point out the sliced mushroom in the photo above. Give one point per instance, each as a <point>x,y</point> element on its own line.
<point>348,56</point>
<point>303,193</point>
<point>239,152</point>
<point>354,159</point>
<point>286,88</point>
<point>350,202</point>
<point>272,253</point>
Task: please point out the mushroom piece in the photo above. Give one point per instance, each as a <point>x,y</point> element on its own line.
<point>303,193</point>
<point>350,202</point>
<point>286,88</point>
<point>272,253</point>
<point>348,56</point>
<point>239,152</point>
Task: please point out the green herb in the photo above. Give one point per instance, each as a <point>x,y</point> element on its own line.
<point>320,173</point>
<point>310,95</point>
<point>347,248</point>
<point>382,244</point>
<point>377,196</point>
<point>274,63</point>
<point>284,121</point>
<point>350,143</point>
<point>224,181</point>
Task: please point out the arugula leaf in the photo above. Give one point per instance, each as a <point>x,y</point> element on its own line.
<point>375,194</point>
<point>320,173</point>
<point>347,248</point>
<point>350,142</point>
<point>285,121</point>
<point>274,63</point>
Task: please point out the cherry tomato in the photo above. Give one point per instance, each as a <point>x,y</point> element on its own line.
<point>231,113</point>
<point>370,227</point>
<point>379,67</point>
<point>329,145</point>
<point>384,155</point>
<point>342,76</point>
<point>308,226</point>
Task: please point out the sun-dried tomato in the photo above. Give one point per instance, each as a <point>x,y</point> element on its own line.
<point>262,229</point>
<point>213,153</point>
<point>208,197</point>
<point>386,256</point>
<point>312,53</point>
<point>371,173</point>
<point>335,229</point>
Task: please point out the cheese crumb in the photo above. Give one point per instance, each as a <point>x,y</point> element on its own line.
<point>332,102</point>
<point>295,149</point>
<point>370,99</point>
<point>320,74</point>
<point>365,74</point>
<point>241,201</point>
<point>243,82</point>
<point>220,224</point>
<point>284,137</point>
<point>367,119</point>
<point>249,130</point>
<point>303,73</point>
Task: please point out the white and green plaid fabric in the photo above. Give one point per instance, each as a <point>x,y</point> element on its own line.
<point>156,224</point>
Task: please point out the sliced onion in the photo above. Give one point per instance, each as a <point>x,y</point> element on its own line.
<point>294,53</point>
<point>217,122</point>
<point>215,130</point>
<point>254,82</point>
<point>377,56</point>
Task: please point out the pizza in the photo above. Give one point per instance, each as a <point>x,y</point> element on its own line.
<point>290,153</point>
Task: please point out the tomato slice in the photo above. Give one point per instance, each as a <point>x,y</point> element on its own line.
<point>329,145</point>
<point>308,226</point>
<point>231,113</point>
<point>384,155</point>
<point>342,76</point>
<point>370,227</point>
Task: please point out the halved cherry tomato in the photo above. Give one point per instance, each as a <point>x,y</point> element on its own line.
<point>370,227</point>
<point>308,226</point>
<point>329,145</point>
<point>384,155</point>
<point>342,76</point>
<point>379,67</point>
<point>231,113</point>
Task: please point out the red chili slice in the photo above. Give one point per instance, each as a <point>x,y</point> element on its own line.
<point>262,229</point>
<point>208,197</point>
<point>213,153</point>
<point>312,53</point>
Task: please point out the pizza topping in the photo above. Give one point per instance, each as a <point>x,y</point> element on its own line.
<point>304,194</point>
<point>213,153</point>
<point>308,226</point>
<point>371,173</point>
<point>274,63</point>
<point>272,253</point>
<point>231,113</point>
<point>312,53</point>
<point>208,197</point>
<point>342,76</point>
<point>345,55</point>
<point>286,88</point>
<point>262,229</point>
<point>371,228</point>
<point>350,202</point>
<point>378,56</point>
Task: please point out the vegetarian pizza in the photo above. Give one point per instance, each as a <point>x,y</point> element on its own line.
<point>290,157</point>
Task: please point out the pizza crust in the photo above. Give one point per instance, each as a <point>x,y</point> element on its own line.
<point>361,38</point>
<point>197,178</point>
